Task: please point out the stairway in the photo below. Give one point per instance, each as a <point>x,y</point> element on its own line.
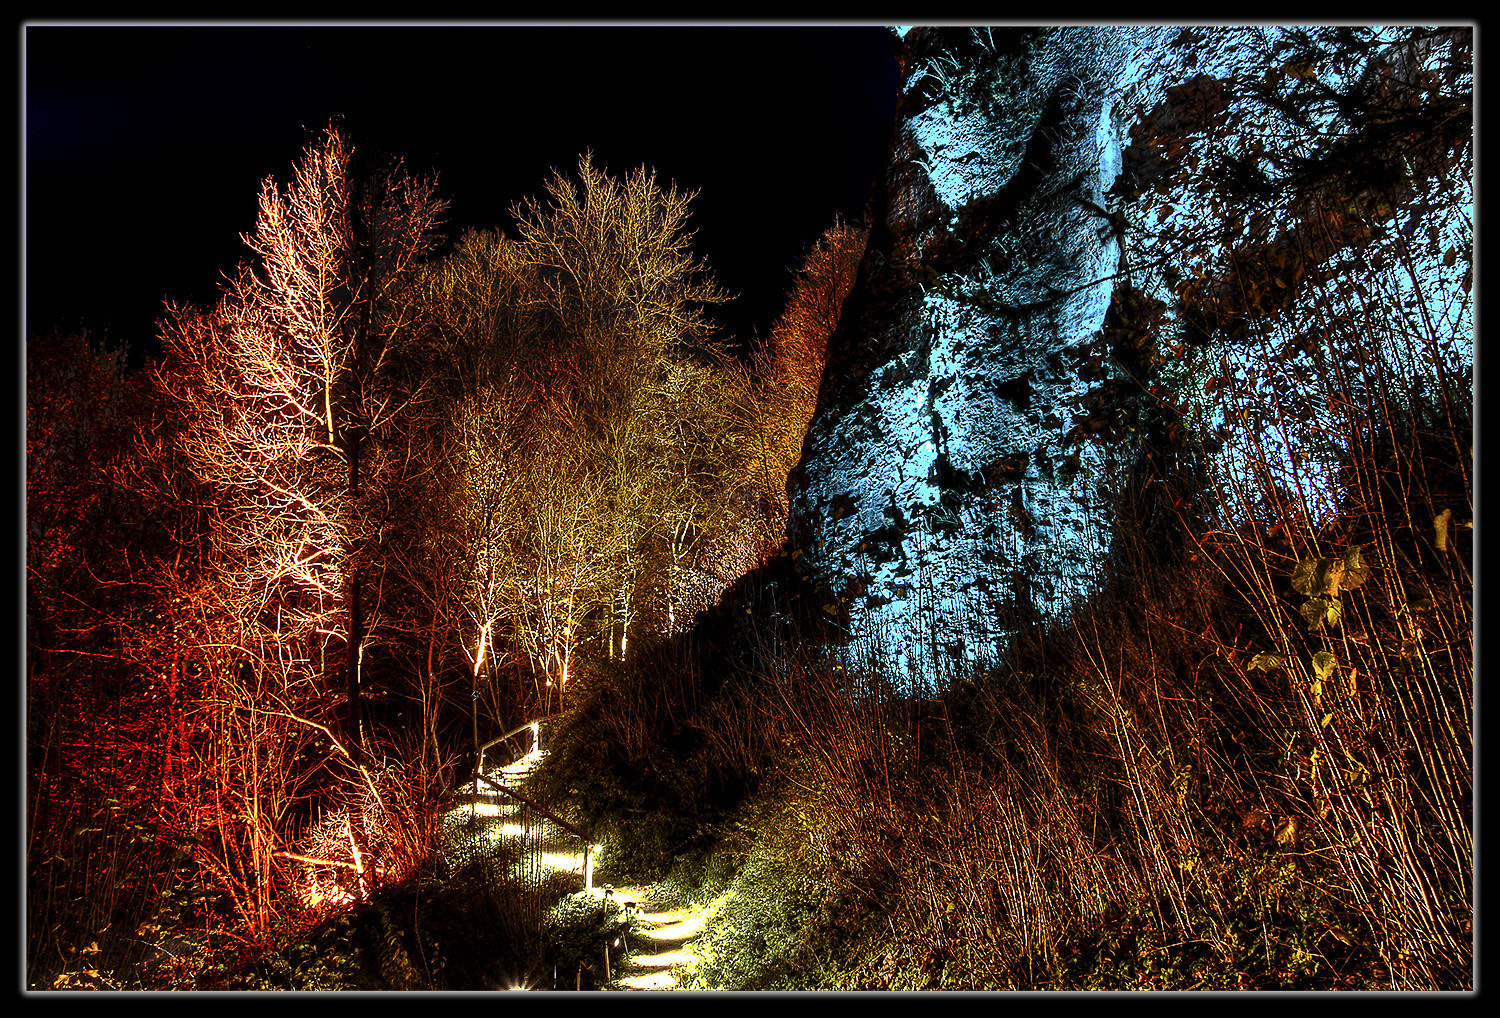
<point>662,941</point>
<point>513,773</point>
<point>661,945</point>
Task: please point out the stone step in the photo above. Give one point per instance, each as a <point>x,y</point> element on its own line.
<point>661,945</point>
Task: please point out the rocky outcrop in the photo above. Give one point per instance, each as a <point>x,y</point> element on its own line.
<point>938,499</point>
<point>954,489</point>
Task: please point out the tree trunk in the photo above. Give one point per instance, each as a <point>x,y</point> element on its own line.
<point>352,445</point>
<point>356,637</point>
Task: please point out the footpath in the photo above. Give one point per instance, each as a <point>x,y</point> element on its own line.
<point>662,945</point>
<point>662,942</point>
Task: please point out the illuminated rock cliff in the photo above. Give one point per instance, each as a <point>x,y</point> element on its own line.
<point>976,424</point>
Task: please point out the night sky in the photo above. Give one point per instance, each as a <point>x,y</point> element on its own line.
<point>145,146</point>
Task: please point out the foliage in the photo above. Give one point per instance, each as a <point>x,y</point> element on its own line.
<point>94,861</point>
<point>647,760</point>
<point>579,932</point>
<point>475,927</point>
<point>789,365</point>
<point>361,477</point>
<point>1247,764</point>
<point>601,438</point>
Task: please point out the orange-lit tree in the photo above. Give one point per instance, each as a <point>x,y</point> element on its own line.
<point>93,750</point>
<point>789,364</point>
<point>291,398</point>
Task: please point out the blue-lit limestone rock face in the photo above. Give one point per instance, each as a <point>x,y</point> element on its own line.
<point>939,502</point>
<point>946,501</point>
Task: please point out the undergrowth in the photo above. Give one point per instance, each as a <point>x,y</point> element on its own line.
<point>1247,765</point>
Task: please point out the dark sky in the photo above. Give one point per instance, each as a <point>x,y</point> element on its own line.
<point>145,146</point>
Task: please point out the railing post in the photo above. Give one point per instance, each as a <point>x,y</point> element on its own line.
<point>588,866</point>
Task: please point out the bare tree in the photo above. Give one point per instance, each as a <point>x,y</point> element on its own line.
<point>482,435</point>
<point>325,322</point>
<point>292,393</point>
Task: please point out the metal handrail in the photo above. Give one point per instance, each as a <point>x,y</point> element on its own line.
<point>538,807</point>
<point>536,729</point>
<point>588,841</point>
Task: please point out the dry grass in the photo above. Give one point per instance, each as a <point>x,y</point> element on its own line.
<point>1246,766</point>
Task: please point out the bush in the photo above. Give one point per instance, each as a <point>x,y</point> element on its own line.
<point>585,937</point>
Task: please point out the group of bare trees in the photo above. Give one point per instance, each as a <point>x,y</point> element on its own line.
<point>594,447</point>
<point>396,498</point>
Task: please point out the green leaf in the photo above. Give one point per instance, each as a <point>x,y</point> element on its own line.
<point>1324,665</point>
<point>1330,577</point>
<point>1321,611</point>
<point>1325,577</point>
<point>1304,576</point>
<point>1265,663</point>
<point>1355,570</point>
